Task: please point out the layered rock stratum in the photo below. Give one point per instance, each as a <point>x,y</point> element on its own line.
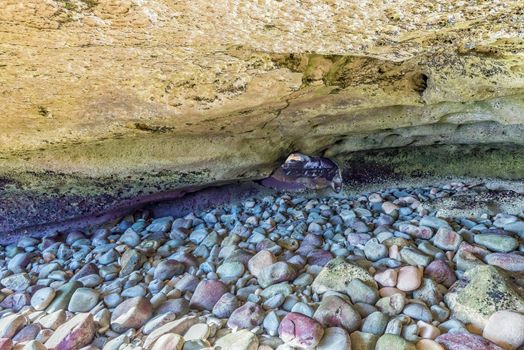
<point>107,101</point>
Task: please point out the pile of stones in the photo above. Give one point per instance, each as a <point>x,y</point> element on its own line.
<point>375,271</point>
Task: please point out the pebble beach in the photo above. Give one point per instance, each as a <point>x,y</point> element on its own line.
<point>285,271</point>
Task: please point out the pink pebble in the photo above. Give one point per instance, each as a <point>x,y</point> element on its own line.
<point>409,278</point>
<point>300,331</point>
<point>427,331</point>
<point>394,252</point>
<point>389,291</point>
<point>387,278</point>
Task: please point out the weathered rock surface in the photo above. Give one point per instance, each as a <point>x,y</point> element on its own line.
<point>152,96</point>
<point>74,334</point>
<point>483,291</point>
<point>338,274</point>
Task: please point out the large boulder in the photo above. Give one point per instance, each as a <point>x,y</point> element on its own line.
<point>338,274</point>
<point>483,291</point>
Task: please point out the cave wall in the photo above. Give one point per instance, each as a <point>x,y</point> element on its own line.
<point>106,103</point>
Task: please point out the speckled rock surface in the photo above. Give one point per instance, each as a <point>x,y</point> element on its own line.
<point>483,291</point>
<point>105,101</point>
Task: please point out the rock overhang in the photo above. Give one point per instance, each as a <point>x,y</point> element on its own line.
<point>105,102</point>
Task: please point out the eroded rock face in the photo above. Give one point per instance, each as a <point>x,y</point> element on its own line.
<point>119,100</point>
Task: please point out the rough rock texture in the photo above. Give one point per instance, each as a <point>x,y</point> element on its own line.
<point>105,101</point>
<point>483,291</point>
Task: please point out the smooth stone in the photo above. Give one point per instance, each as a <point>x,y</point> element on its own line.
<point>375,250</point>
<point>300,331</point>
<point>507,261</point>
<point>428,292</point>
<point>206,294</point>
<point>230,271</point>
<point>169,341</point>
<point>506,329</point>
<point>275,273</point>
<point>516,227</point>
<point>160,225</point>
<point>167,269</point>
<point>360,292</point>
<point>29,332</point>
<point>303,309</point>
<point>199,331</point>
<point>389,291</point>
<point>440,272</point>
<point>86,270</point>
<point>18,282</point>
<point>465,341</point>
<point>63,296</point>
<point>363,341</point>
<point>439,313</point>
<point>337,275</point>
<point>409,278</point>
<point>415,257</point>
<point>180,306</point>
<point>108,257</point>
<point>53,320</point>
<point>225,306</point>
<point>387,278</point>
<point>364,310</point>
<point>334,338</point>
<point>333,311</point>
<point>11,324</point>
<point>83,300</point>
<point>130,238</point>
<point>241,340</point>
<point>130,261</point>
<point>497,243</point>
<point>91,281</point>
<point>135,291</point>
<point>319,257</point>
<point>434,222</point>
<point>42,298</point>
<point>33,345</point>
<point>453,326</point>
<point>418,312</point>
<point>394,326</point>
<point>116,343</point>
<point>283,288</point>
<point>131,313</point>
<point>15,301</point>
<point>247,316</point>
<point>179,326</point>
<point>158,321</point>
<point>260,261</point>
<point>303,280</point>
<point>102,320</point>
<point>428,344</point>
<point>113,300</point>
<point>427,330</point>
<point>76,333</point>
<point>394,342</point>
<point>271,323</point>
<point>274,302</point>
<point>19,262</point>
<point>447,239</point>
<point>187,283</point>
<point>392,305</point>
<point>375,323</point>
